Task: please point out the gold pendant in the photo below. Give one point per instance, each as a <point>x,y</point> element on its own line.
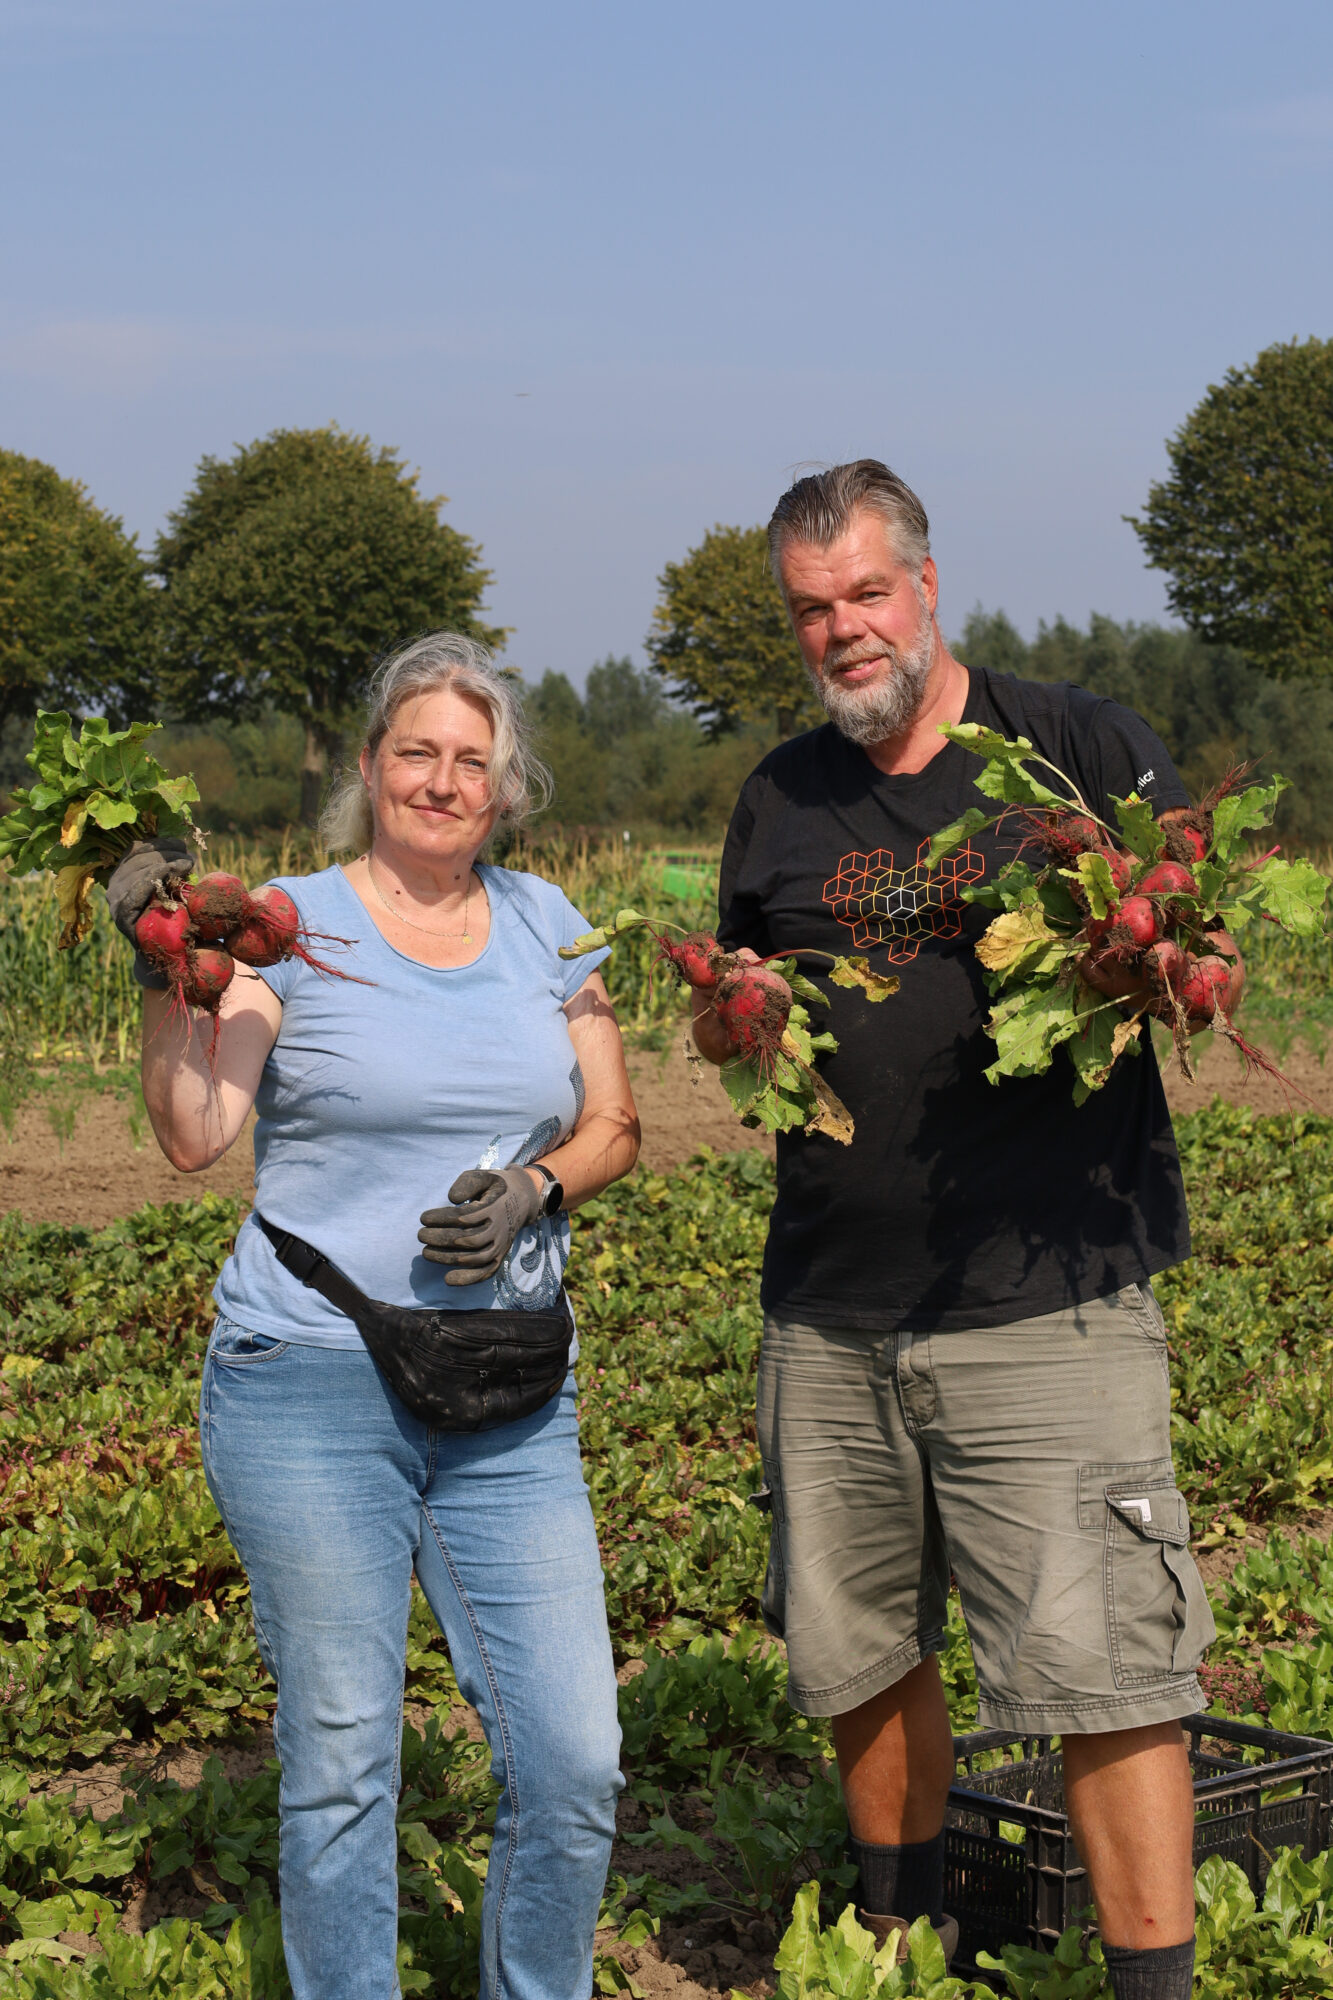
<point>467,937</point>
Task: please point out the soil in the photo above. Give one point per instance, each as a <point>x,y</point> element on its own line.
<point>94,1159</point>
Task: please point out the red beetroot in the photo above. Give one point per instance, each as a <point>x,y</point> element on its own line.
<point>1136,926</point>
<point>695,958</point>
<point>1121,867</point>
<point>1166,965</point>
<point>163,936</point>
<point>217,903</point>
<point>271,931</point>
<point>1168,878</point>
<point>1206,989</point>
<point>207,977</point>
<point>1185,842</point>
<point>752,1003</point>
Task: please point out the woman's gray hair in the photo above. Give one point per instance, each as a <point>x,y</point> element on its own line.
<point>820,507</point>
<point>436,663</point>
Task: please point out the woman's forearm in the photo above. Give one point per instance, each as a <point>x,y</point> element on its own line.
<point>602,1150</point>
<point>198,1088</point>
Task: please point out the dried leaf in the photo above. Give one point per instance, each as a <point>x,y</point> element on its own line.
<point>73,890</point>
<point>856,972</point>
<point>831,1115</point>
<point>71,830</point>
<point>1010,936</point>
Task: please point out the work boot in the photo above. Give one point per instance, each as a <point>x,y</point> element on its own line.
<point>883,1928</point>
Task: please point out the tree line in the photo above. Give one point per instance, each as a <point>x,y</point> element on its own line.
<point>288,569</point>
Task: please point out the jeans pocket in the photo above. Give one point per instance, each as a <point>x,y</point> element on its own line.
<point>234,1346</point>
<point>1157,1616</point>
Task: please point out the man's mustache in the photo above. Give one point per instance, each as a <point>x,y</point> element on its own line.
<point>838,658</point>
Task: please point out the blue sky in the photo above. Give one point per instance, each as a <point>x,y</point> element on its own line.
<point>609,273</point>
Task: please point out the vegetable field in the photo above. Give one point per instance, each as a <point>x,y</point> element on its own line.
<point>125,1633</point>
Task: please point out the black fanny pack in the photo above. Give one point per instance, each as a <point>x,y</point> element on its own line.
<point>457,1371</point>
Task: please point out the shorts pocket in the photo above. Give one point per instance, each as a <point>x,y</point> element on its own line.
<point>773,1597</point>
<point>1157,1617</point>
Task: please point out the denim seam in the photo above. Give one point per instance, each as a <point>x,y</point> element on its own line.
<point>502,1722</point>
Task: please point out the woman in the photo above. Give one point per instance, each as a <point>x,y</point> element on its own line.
<point>460,1091</point>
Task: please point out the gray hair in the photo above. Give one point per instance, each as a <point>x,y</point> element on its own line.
<point>819,509</point>
<point>436,663</point>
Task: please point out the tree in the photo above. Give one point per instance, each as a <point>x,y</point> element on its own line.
<point>721,633</point>
<point>290,567</point>
<point>1244,523</point>
<point>619,701</point>
<point>76,610</point>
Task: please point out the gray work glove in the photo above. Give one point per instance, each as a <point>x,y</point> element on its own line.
<point>149,866</point>
<point>474,1236</point>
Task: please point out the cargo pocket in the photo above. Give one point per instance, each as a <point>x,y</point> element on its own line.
<point>1157,1616</point>
<point>773,1597</point>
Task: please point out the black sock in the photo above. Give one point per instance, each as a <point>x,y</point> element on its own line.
<point>1163,1973</point>
<point>900,1881</point>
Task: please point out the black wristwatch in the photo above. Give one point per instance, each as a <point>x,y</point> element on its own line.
<point>554,1198</point>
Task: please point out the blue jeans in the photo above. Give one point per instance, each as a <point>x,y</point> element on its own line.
<point>332,1493</point>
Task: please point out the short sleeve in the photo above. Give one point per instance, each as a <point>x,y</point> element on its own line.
<point>740,919</point>
<point>280,978</point>
<point>1121,754</point>
<point>573,924</point>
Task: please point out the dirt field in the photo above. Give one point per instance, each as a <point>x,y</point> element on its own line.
<point>105,1167</point>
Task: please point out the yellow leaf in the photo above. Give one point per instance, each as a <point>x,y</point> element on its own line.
<point>856,972</point>
<point>71,832</point>
<point>1123,1034</point>
<point>73,888</point>
<point>1009,936</point>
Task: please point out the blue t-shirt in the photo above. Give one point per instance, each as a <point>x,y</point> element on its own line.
<point>377,1096</point>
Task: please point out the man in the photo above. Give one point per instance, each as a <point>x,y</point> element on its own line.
<point>963,1364</point>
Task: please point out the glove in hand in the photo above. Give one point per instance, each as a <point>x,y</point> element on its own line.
<point>474,1235</point>
<point>149,866</point>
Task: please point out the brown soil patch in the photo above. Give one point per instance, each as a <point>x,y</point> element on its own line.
<point>1222,1074</point>
<point>105,1169</point>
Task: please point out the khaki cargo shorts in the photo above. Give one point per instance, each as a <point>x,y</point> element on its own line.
<point>1034,1460</point>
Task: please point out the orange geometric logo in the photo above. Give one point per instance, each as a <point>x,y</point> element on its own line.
<point>883,904</point>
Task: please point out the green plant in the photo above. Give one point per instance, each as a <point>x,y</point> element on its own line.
<point>842,1962</point>
<point>760,1839</point>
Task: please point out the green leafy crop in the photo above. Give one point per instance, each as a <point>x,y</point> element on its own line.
<point>95,794</point>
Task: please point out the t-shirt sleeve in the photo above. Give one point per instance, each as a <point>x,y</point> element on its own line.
<point>740,916</point>
<point>280,977</point>
<point>571,924</point>
<point>1120,755</point>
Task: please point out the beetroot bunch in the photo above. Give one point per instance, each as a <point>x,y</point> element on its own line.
<point>1146,932</point>
<point>1104,923</point>
<point>197,933</point>
<point>762,1005</point>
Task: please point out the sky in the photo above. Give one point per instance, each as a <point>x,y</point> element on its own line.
<point>610,274</point>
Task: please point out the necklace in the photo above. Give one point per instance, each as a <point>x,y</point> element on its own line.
<point>463,937</point>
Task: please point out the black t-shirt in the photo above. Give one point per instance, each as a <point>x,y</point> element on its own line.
<point>959,1202</point>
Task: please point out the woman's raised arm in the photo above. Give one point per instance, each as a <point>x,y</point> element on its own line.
<point>199,1094</point>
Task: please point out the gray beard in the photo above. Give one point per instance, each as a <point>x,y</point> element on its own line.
<point>873,715</point>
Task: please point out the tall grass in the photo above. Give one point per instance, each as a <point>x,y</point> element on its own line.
<point>82,1006</point>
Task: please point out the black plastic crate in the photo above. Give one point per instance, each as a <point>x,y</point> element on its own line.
<point>1255,1790</point>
